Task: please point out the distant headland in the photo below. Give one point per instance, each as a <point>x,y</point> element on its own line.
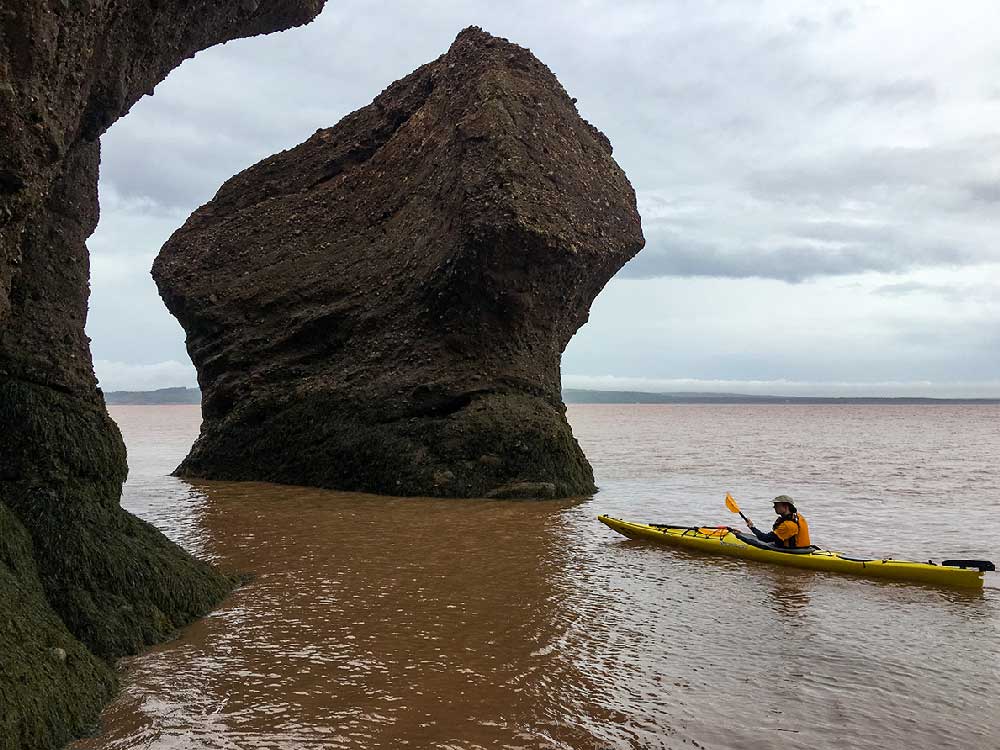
<point>580,396</point>
<point>159,396</point>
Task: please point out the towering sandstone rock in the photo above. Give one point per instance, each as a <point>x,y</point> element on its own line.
<point>384,306</point>
<point>81,581</point>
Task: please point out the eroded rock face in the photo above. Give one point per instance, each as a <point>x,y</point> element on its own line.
<point>74,564</point>
<point>384,307</point>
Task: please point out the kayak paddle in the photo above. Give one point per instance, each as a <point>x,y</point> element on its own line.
<point>731,504</point>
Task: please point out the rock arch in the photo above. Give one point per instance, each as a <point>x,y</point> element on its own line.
<point>87,581</point>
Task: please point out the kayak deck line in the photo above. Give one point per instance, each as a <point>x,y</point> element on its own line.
<point>732,543</point>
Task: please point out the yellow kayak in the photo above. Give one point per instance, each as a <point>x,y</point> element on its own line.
<point>726,541</point>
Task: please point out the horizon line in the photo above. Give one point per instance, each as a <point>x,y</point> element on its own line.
<point>702,396</point>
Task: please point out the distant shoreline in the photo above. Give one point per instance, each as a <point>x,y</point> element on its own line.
<point>159,397</point>
<point>174,396</point>
<point>579,396</point>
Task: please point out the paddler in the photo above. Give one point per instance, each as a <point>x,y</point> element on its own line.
<point>789,530</point>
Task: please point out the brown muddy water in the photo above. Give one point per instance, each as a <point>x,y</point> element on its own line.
<point>380,622</point>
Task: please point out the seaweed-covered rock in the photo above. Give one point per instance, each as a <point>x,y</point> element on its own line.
<point>84,577</point>
<point>52,685</point>
<point>384,306</point>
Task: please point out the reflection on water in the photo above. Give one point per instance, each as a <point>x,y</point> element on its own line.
<point>388,622</point>
<point>790,595</point>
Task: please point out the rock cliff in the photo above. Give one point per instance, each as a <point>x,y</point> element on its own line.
<point>81,580</point>
<point>384,307</point>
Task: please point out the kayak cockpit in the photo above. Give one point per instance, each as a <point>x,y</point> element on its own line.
<point>755,542</point>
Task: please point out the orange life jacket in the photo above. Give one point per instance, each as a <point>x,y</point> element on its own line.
<point>797,525</point>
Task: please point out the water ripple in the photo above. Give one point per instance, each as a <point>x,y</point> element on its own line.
<point>388,622</point>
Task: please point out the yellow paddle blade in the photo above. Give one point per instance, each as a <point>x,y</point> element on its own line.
<point>731,504</point>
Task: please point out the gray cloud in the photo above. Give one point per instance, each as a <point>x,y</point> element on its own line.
<point>696,240</point>
<point>885,209</point>
<point>832,230</point>
<point>939,177</point>
<point>820,93</point>
<point>792,263</point>
<point>951,293</point>
<point>915,287</point>
<point>984,192</point>
<point>902,91</point>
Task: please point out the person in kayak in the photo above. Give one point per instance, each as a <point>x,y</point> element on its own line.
<point>789,530</point>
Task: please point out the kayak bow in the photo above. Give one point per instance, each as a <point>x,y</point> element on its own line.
<point>727,541</point>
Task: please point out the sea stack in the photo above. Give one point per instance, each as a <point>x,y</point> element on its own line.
<point>383,308</point>
<point>82,582</point>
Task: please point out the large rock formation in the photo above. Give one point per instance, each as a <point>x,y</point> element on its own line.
<point>81,581</point>
<point>384,306</point>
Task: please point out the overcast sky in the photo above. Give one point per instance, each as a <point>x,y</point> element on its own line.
<point>819,183</point>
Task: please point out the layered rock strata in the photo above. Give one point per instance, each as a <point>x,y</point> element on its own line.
<point>384,307</point>
<point>81,580</point>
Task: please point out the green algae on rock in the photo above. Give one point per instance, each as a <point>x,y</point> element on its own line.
<point>116,582</point>
<point>384,307</point>
<point>81,580</point>
<point>47,701</point>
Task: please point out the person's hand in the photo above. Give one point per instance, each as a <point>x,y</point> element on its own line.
<point>749,523</point>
